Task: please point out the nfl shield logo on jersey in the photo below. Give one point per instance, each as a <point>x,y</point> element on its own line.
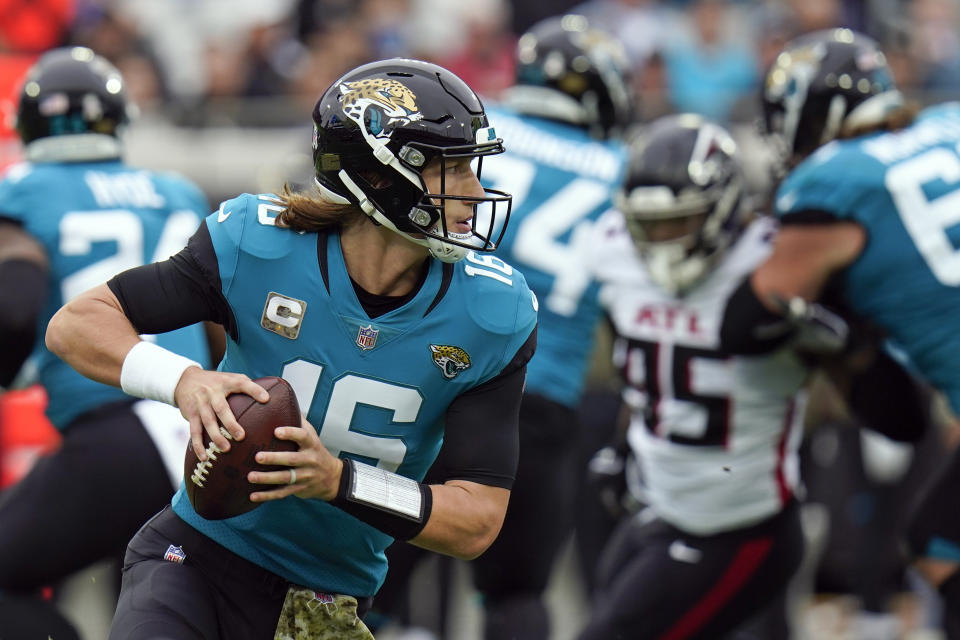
<point>175,554</point>
<point>367,337</point>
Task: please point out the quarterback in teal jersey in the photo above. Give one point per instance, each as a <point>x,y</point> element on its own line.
<point>868,210</point>
<point>71,216</point>
<point>377,297</point>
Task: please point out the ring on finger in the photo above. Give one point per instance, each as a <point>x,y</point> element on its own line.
<point>293,476</point>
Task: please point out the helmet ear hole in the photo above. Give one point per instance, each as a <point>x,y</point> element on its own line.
<point>376,179</point>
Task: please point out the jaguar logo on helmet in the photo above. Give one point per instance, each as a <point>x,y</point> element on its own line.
<point>395,104</point>
<point>451,360</point>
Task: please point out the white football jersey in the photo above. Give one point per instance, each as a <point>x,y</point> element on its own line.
<point>716,436</point>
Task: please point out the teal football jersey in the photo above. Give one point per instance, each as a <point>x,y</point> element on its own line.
<point>377,390</point>
<point>561,180</point>
<point>95,220</point>
<point>904,189</point>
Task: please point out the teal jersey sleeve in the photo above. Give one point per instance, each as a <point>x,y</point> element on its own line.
<point>507,313</point>
<point>20,193</point>
<point>836,179</point>
<point>247,221</point>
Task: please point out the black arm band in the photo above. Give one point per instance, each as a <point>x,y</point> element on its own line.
<point>386,501</point>
<point>23,292</point>
<point>748,327</point>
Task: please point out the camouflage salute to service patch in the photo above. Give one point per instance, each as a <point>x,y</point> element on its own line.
<point>310,615</point>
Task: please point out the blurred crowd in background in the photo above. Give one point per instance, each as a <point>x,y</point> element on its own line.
<point>207,67</point>
<point>260,63</point>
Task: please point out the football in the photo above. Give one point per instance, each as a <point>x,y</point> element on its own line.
<point>218,488</point>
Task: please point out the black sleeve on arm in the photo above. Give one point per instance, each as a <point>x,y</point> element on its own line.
<point>748,327</point>
<point>887,399</point>
<point>481,441</point>
<point>808,217</point>
<point>23,292</point>
<point>174,293</point>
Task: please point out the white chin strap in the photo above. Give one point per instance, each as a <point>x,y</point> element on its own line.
<point>446,252</point>
<point>439,249</point>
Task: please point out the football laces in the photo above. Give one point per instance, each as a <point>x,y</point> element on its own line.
<point>200,472</point>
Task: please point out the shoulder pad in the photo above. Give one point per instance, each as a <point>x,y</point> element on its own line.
<point>18,192</point>
<point>247,224</point>
<point>497,296</point>
<point>16,172</point>
<point>831,180</point>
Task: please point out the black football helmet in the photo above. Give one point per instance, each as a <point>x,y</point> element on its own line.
<point>825,84</point>
<point>570,71</point>
<point>682,198</point>
<point>377,127</point>
<point>71,91</point>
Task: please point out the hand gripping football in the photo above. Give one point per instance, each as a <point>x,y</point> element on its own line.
<point>218,488</point>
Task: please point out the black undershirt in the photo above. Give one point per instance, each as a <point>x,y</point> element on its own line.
<point>480,437</point>
<point>376,305</point>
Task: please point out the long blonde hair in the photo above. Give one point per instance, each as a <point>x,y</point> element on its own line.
<point>305,211</point>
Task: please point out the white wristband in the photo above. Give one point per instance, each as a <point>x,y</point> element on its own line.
<point>152,372</point>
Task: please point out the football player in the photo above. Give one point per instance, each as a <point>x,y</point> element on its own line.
<point>867,209</point>
<point>376,296</point>
<point>563,117</point>
<point>71,216</point>
<point>715,436</point>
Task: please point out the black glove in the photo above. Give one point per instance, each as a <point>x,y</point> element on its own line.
<point>818,330</point>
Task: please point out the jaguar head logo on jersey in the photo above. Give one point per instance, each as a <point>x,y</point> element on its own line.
<point>282,315</point>
<point>396,104</point>
<point>451,360</point>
